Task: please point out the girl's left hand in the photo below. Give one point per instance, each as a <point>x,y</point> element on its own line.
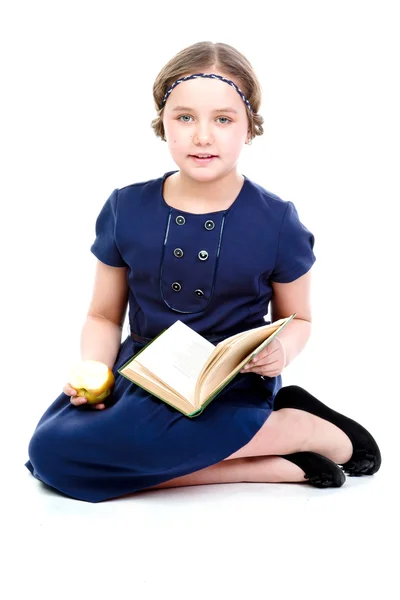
<point>270,362</point>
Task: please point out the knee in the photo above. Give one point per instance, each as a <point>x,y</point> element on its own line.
<point>45,454</point>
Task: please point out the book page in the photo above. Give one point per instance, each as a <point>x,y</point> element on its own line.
<point>236,352</point>
<point>234,356</point>
<point>223,347</point>
<point>141,376</point>
<point>177,357</point>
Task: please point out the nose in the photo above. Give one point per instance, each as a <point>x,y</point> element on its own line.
<point>203,135</point>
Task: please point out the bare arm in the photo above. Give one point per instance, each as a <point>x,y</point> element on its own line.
<point>102,329</point>
<point>289,298</point>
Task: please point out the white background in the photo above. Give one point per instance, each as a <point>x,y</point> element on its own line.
<point>76,107</point>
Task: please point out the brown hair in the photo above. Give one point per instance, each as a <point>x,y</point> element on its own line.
<point>205,55</point>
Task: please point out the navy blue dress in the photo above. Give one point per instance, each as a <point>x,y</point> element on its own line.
<point>213,272</point>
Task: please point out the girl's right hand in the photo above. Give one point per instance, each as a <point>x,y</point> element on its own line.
<point>78,400</point>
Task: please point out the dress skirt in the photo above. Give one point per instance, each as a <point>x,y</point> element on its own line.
<point>138,441</point>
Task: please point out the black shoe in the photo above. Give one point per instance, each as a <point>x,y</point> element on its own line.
<point>366,458</point>
<point>319,470</point>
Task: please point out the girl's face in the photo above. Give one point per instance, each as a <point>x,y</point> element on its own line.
<point>205,117</point>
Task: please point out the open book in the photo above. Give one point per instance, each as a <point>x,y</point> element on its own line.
<point>187,371</point>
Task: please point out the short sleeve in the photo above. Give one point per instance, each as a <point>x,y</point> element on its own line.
<point>104,246</point>
<point>295,254</point>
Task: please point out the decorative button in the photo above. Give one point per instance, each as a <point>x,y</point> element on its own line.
<point>176,286</point>
<point>199,293</point>
<point>209,225</point>
<point>178,252</point>
<point>180,220</point>
<point>203,255</point>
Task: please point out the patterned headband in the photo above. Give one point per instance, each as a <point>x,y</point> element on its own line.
<point>211,76</point>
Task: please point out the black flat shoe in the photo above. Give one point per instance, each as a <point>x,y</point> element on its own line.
<point>319,470</point>
<point>366,458</point>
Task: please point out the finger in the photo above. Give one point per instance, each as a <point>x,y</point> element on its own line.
<point>70,391</point>
<point>77,400</point>
<point>261,360</point>
<point>262,368</point>
<point>250,369</point>
<point>100,406</point>
<point>275,350</point>
<point>263,356</point>
<point>268,362</point>
<point>260,365</point>
<point>272,369</point>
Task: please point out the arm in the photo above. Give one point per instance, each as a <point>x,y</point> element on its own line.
<point>289,298</point>
<point>101,331</point>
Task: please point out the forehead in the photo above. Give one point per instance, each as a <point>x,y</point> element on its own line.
<point>206,94</point>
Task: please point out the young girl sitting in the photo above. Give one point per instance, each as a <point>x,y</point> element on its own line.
<point>206,245</point>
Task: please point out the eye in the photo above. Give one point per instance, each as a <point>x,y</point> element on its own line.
<point>186,119</point>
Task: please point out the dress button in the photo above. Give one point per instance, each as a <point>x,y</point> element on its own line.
<point>209,225</point>
<point>178,252</point>
<point>176,286</point>
<point>180,220</point>
<point>199,293</point>
<point>203,255</point>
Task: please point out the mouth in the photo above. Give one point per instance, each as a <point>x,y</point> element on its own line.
<point>202,157</point>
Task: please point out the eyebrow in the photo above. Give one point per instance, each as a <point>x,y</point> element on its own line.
<point>228,109</point>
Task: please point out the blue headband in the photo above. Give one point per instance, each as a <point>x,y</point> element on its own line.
<point>211,76</point>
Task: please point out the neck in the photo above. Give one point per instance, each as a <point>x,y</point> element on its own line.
<point>209,192</point>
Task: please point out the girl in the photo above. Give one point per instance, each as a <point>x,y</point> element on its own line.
<point>205,245</point>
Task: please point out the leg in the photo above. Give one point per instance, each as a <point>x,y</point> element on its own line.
<point>285,432</point>
<point>365,458</point>
<point>291,430</point>
<point>262,469</point>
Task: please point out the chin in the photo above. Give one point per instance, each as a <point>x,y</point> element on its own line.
<point>206,172</point>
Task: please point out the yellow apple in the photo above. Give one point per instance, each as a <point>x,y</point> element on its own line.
<point>92,380</point>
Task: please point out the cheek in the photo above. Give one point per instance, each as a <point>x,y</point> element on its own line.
<point>235,141</point>
<point>177,138</point>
